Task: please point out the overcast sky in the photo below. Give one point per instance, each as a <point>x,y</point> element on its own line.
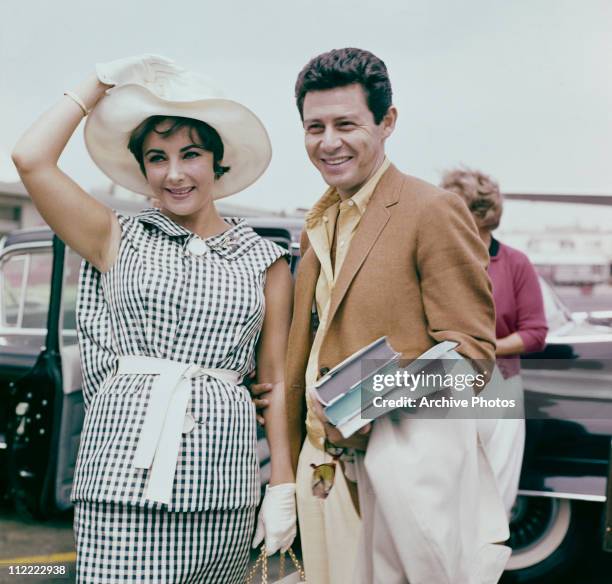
<point>521,89</point>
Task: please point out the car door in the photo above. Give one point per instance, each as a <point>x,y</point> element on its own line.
<point>72,408</point>
<point>46,410</point>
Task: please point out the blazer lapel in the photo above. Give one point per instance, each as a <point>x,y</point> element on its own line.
<point>371,226</point>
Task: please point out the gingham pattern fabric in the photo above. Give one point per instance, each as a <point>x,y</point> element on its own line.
<point>161,299</point>
<point>120,543</point>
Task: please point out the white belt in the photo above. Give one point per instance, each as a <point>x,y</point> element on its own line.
<point>160,437</point>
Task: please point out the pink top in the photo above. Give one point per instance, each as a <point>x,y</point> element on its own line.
<point>518,303</point>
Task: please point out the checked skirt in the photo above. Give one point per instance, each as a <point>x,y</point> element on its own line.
<point>124,543</point>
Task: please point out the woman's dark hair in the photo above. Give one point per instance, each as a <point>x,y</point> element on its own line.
<point>201,134</point>
<point>342,67</point>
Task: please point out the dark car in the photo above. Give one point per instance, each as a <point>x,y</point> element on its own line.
<point>567,469</point>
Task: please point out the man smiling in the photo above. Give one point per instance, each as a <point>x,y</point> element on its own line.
<point>384,253</point>
<point>344,139</point>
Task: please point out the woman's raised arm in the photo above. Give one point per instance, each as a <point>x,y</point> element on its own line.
<point>82,222</point>
<point>85,224</point>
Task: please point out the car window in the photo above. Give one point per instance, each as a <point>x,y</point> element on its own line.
<point>12,274</point>
<point>25,286</point>
<point>72,269</point>
<point>37,291</point>
<point>556,312</point>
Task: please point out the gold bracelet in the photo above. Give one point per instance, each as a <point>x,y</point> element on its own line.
<point>74,97</point>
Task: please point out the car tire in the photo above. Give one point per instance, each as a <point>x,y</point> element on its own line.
<point>547,536</point>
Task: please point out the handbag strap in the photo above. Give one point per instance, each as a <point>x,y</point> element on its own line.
<point>262,561</point>
<point>297,564</point>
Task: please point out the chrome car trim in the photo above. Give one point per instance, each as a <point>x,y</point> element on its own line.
<point>555,495</point>
<point>579,339</point>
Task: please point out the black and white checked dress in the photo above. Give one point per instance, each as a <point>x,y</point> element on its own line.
<point>170,295</point>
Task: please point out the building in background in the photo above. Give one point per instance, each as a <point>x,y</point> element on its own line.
<point>567,256</point>
<point>16,208</point>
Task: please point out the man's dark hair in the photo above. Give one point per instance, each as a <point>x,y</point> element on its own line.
<point>342,67</point>
<point>202,135</point>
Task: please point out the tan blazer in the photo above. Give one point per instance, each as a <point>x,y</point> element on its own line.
<point>415,271</point>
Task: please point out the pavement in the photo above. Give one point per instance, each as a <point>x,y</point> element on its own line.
<point>44,546</point>
<point>25,543</point>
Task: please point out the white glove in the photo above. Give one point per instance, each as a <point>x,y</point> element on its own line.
<point>144,69</point>
<point>277,519</point>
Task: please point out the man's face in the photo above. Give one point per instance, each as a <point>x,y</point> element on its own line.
<point>342,139</point>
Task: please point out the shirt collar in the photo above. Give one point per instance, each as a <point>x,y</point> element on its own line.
<point>233,242</point>
<point>327,201</point>
<point>156,218</point>
<point>361,198</point>
<point>493,248</point>
<point>229,244</point>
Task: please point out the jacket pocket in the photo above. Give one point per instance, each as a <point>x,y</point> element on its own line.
<point>126,384</point>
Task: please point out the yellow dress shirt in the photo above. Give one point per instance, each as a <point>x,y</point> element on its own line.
<point>331,214</point>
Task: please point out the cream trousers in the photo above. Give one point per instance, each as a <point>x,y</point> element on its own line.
<point>330,528</point>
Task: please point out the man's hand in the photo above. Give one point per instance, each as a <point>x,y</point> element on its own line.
<point>258,395</point>
<point>359,440</point>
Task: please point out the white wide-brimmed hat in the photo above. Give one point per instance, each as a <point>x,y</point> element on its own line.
<point>247,149</point>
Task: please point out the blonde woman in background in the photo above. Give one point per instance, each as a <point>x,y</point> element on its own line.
<point>520,325</point>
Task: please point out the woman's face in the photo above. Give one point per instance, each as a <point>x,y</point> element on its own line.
<point>179,172</point>
<point>487,212</point>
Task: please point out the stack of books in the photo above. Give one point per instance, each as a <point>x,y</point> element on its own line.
<point>348,390</point>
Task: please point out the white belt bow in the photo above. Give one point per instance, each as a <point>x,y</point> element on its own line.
<point>160,437</point>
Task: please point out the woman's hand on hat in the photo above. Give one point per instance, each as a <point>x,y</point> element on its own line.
<point>142,70</point>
